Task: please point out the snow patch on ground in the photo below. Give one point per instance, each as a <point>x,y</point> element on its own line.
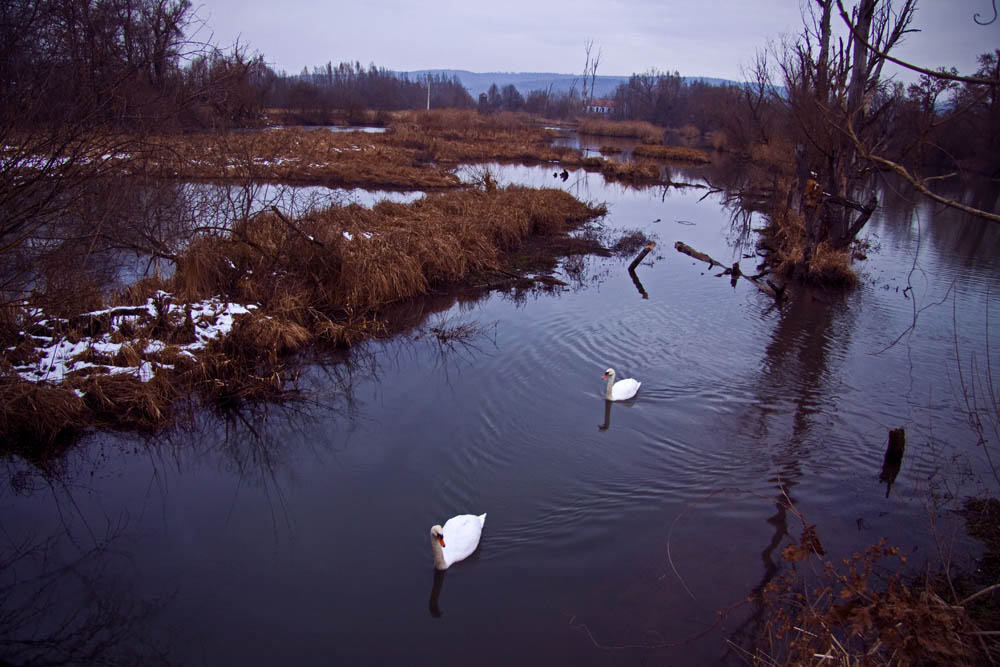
<point>58,357</point>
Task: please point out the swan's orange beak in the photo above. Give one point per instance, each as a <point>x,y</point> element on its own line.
<point>441,539</point>
<point>604,376</point>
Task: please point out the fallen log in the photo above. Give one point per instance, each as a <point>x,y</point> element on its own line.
<point>641,256</point>
<point>691,252</point>
<point>638,284</point>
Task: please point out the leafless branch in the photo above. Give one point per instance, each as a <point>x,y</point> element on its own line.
<point>916,68</point>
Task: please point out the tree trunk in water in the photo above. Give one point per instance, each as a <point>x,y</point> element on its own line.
<point>841,224</point>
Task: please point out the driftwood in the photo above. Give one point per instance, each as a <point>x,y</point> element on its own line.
<point>635,262</point>
<point>641,256</point>
<point>769,289</point>
<point>638,284</point>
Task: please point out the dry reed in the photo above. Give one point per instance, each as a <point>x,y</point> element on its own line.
<point>323,277</point>
<point>642,130</point>
<point>673,153</point>
<point>416,152</point>
<point>786,236</point>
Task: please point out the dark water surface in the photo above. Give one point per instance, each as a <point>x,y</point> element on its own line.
<point>299,534</point>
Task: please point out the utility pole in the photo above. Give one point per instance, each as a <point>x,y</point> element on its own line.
<point>428,92</point>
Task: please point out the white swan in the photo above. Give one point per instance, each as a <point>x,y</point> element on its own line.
<point>456,540</point>
<point>621,390</point>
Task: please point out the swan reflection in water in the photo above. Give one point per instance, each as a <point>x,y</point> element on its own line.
<point>453,542</point>
<point>622,390</point>
<point>607,416</point>
<point>439,576</point>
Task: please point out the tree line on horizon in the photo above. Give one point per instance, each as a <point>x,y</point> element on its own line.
<point>90,83</point>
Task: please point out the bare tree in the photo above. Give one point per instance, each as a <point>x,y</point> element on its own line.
<point>836,97</point>
<point>983,89</point>
<point>89,87</point>
<point>590,69</point>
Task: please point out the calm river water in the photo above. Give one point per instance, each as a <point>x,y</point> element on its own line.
<point>298,534</point>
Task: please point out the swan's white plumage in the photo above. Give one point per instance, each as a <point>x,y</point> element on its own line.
<point>461,537</point>
<point>621,390</point>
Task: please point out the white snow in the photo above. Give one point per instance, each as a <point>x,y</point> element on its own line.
<point>59,357</point>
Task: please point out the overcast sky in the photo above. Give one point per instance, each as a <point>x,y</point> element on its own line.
<point>695,37</point>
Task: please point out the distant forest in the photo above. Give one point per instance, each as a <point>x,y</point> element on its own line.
<point>76,65</point>
<point>663,98</point>
<point>352,88</point>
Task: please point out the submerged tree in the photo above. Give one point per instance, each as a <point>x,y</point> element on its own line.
<point>974,110</point>
<point>837,100</point>
<point>848,121</point>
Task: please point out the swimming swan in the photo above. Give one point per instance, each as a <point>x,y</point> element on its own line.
<point>462,534</point>
<point>621,390</point>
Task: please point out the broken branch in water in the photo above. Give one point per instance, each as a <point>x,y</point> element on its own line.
<point>641,256</point>
<point>768,289</point>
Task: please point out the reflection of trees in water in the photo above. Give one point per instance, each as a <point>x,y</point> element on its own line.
<point>797,369</point>
<point>63,603</point>
<point>93,611</point>
<point>971,242</point>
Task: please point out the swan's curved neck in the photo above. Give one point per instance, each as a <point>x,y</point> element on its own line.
<point>611,383</point>
<point>438,554</point>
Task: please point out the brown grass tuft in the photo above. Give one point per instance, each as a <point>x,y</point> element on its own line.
<point>123,401</point>
<point>675,153</point>
<point>827,267</point>
<point>634,173</point>
<point>646,132</point>
<point>35,416</point>
<point>777,154</point>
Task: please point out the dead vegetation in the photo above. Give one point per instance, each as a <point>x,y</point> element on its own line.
<point>785,238</point>
<point>641,130</point>
<point>848,612</point>
<point>318,279</point>
<point>418,151</point>
<point>673,153</point>
<point>637,173</point>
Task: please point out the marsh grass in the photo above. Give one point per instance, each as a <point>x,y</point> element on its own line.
<point>848,612</point>
<point>672,153</point>
<point>827,266</point>
<point>642,130</point>
<point>641,172</point>
<point>318,279</point>
<point>418,151</point>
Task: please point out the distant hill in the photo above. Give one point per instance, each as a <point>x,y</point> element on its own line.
<point>525,82</point>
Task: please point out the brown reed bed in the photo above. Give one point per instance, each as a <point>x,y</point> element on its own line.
<point>418,151</point>
<point>353,260</point>
<point>642,130</point>
<point>297,155</point>
<point>637,173</point>
<point>319,279</point>
<point>672,153</point>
